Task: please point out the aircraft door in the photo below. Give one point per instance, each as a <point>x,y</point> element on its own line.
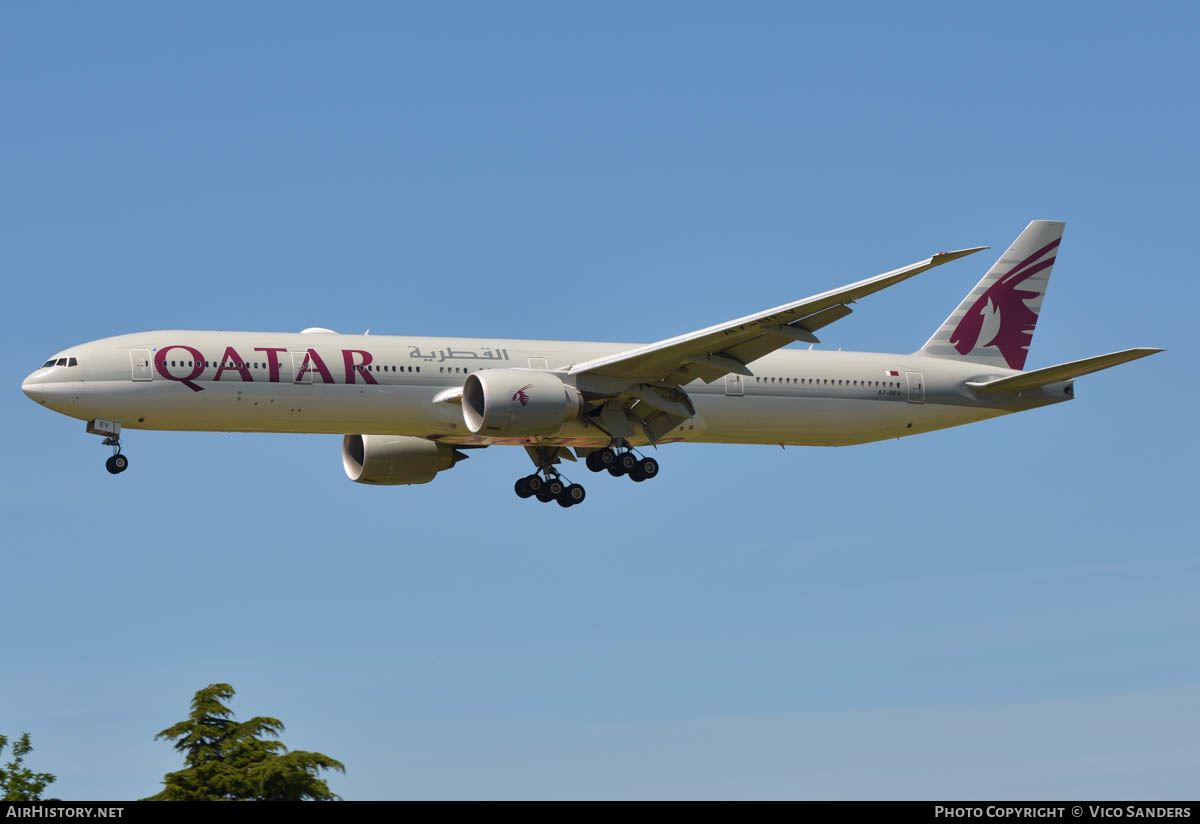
<point>298,364</point>
<point>734,386</point>
<point>916,387</point>
<point>139,361</point>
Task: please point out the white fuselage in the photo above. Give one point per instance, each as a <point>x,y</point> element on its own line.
<point>377,384</point>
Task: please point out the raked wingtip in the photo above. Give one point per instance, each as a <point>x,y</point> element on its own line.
<point>942,257</point>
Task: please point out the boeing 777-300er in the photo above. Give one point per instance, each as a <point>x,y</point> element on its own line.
<point>415,403</point>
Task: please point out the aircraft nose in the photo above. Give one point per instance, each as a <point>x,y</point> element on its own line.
<point>33,389</point>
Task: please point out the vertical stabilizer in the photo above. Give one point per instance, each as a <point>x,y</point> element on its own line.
<point>994,323</point>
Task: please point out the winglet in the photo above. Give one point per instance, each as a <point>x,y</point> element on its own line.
<point>946,257</point>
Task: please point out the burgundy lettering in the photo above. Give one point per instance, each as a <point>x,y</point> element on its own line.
<point>360,367</point>
<point>160,363</point>
<point>235,364</point>
<point>272,362</point>
<point>313,363</point>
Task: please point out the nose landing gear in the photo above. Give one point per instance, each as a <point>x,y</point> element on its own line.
<point>116,464</point>
<point>111,431</point>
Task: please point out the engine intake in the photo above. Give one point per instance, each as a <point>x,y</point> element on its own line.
<point>395,459</point>
<point>516,402</point>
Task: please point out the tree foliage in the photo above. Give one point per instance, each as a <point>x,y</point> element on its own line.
<point>17,782</point>
<point>227,760</point>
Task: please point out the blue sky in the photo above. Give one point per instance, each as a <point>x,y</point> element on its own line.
<point>1002,610</point>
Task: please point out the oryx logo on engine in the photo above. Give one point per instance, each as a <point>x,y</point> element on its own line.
<point>521,395</point>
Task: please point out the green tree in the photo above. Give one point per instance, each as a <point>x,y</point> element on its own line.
<point>228,760</point>
<point>17,782</point>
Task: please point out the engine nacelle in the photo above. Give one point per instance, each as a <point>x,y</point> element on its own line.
<point>516,402</point>
<point>395,459</point>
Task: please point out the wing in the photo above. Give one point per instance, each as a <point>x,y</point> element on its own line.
<point>711,353</point>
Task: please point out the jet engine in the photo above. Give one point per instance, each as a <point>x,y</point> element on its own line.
<point>395,459</point>
<point>517,402</point>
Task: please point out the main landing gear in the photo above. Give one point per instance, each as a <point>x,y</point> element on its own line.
<point>546,484</point>
<point>622,463</point>
<point>111,431</point>
<point>550,488</point>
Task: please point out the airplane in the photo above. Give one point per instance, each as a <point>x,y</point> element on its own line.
<point>416,403</point>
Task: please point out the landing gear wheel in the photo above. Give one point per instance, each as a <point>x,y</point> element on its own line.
<point>555,487</point>
<point>522,488</point>
<point>627,461</point>
<point>544,495</point>
<point>535,483</point>
<point>636,475</point>
<point>116,464</point>
<point>601,459</point>
<point>648,467</point>
<point>616,470</point>
<point>573,494</point>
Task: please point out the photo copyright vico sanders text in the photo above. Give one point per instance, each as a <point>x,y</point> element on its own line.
<point>1047,811</point>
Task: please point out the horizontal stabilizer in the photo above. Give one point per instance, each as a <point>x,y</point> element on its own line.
<point>1064,371</point>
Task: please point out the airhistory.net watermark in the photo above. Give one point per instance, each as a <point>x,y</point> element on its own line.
<point>62,811</point>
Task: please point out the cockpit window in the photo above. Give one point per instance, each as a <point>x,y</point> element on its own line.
<point>50,362</point>
<point>61,362</point>
<point>72,362</point>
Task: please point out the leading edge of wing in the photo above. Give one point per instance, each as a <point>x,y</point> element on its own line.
<point>731,332</point>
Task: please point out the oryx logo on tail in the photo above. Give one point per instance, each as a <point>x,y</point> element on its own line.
<point>994,323</point>
<point>521,395</point>
<point>1001,317</point>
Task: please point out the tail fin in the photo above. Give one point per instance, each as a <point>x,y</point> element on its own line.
<point>994,323</point>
